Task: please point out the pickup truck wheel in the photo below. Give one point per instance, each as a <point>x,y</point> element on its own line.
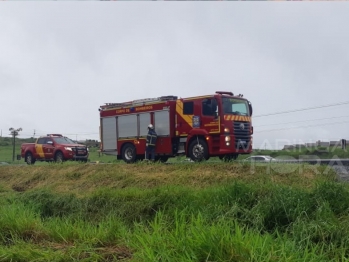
<point>29,159</point>
<point>198,150</point>
<point>129,153</point>
<point>59,157</point>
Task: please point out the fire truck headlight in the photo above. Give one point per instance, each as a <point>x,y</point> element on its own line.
<point>68,149</point>
<point>226,130</point>
<point>227,138</point>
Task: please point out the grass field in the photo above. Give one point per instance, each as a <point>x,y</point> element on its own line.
<point>211,211</point>
<point>106,210</point>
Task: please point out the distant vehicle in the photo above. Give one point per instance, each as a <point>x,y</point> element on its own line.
<point>259,159</point>
<point>198,127</point>
<point>53,147</point>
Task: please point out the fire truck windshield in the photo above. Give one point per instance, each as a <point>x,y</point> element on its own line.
<point>234,106</point>
<point>63,140</point>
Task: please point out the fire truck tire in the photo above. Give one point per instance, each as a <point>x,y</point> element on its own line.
<point>59,157</point>
<point>198,150</point>
<point>129,153</point>
<point>29,159</point>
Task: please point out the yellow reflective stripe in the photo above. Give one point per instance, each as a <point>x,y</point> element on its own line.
<point>39,150</point>
<point>150,139</point>
<point>179,111</point>
<point>237,118</point>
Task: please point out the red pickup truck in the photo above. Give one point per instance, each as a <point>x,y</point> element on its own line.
<point>53,147</point>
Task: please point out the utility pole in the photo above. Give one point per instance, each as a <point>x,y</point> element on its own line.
<point>14,133</point>
<point>344,144</point>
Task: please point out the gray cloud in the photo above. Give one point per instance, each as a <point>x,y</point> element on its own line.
<point>62,60</point>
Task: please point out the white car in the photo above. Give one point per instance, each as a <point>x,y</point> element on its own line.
<point>259,159</point>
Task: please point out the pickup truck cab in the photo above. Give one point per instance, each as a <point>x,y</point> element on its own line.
<point>53,147</point>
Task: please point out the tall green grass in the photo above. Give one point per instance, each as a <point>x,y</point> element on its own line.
<point>238,221</point>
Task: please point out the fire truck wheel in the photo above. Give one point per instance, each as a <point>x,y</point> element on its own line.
<point>29,159</point>
<point>198,150</point>
<point>59,157</point>
<point>129,153</point>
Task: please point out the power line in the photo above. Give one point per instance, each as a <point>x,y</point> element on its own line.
<point>270,114</point>
<point>304,109</point>
<point>269,130</point>
<point>302,121</point>
<point>73,134</point>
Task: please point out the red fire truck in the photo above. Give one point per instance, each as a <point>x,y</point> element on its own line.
<point>198,127</point>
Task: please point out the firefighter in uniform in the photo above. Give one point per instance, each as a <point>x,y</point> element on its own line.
<point>150,143</point>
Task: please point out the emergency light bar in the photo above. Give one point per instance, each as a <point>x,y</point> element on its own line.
<point>224,93</point>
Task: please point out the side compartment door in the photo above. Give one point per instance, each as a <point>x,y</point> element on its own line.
<point>127,126</point>
<point>109,134</point>
<point>144,121</point>
<point>162,128</point>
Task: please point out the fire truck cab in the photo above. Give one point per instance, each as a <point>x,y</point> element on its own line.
<point>198,127</point>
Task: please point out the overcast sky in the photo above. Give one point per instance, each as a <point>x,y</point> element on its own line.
<point>59,61</point>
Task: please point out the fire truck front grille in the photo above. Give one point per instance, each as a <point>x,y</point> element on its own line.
<point>242,135</point>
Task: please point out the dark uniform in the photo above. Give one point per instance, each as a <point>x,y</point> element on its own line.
<point>150,143</point>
